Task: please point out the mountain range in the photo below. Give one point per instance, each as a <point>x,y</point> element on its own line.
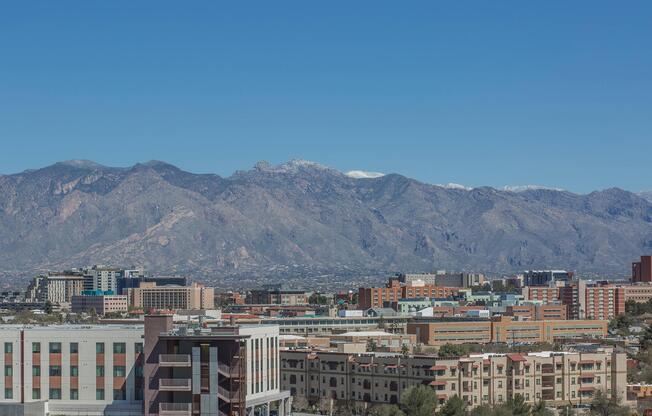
<point>309,218</point>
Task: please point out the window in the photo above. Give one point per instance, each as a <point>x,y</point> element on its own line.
<point>55,394</point>
<point>99,371</point>
<point>36,371</point>
<point>9,347</point>
<point>9,371</point>
<point>138,370</point>
<point>74,394</point>
<point>99,394</point>
<point>74,348</point>
<point>138,348</point>
<point>99,348</point>
<point>9,393</point>
<point>119,371</point>
<point>55,348</point>
<point>36,347</point>
<point>55,371</point>
<point>74,371</point>
<point>119,348</point>
<point>36,394</point>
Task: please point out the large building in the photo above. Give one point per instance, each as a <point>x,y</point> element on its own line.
<point>537,312</point>
<point>150,296</point>
<point>58,288</point>
<point>85,370</point>
<point>377,297</point>
<point>642,270</point>
<point>559,378</point>
<point>221,371</point>
<point>639,292</point>
<point>442,331</point>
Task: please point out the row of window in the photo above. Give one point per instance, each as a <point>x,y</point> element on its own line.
<point>55,347</point>
<point>55,394</point>
<point>55,371</point>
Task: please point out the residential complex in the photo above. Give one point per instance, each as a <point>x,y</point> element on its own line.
<point>220,371</point>
<point>559,378</point>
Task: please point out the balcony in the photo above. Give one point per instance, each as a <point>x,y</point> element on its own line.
<point>227,395</point>
<point>231,372</point>
<point>174,409</point>
<point>174,360</point>
<point>174,384</point>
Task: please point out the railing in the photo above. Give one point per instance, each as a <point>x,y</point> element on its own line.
<point>227,394</point>
<point>174,409</point>
<point>174,384</point>
<point>229,371</point>
<point>174,360</point>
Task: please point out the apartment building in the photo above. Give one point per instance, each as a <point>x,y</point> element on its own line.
<point>150,296</point>
<point>80,370</point>
<point>222,371</point>
<point>559,378</point>
<point>604,301</point>
<point>57,288</point>
<point>100,303</point>
<point>442,331</point>
<point>545,294</point>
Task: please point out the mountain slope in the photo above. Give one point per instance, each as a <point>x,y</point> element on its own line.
<point>300,213</point>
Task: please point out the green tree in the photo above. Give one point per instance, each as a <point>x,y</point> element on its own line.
<point>405,349</point>
<point>48,307</point>
<point>451,350</point>
<point>603,405</point>
<point>387,410</point>
<point>419,401</point>
<point>540,409</point>
<point>454,406</point>
<point>371,345</point>
<point>517,405</point>
<point>482,410</point>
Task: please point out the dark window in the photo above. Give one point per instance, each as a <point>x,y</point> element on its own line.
<point>36,347</point>
<point>74,371</point>
<point>118,394</point>
<point>119,348</point>
<point>119,371</point>
<point>138,347</point>
<point>36,371</point>
<point>99,348</point>
<point>9,393</point>
<point>74,348</point>
<point>74,394</point>
<point>9,347</point>
<point>99,394</point>
<point>55,371</point>
<point>99,371</point>
<point>55,348</point>
<point>55,394</point>
<point>9,371</point>
<point>36,394</point>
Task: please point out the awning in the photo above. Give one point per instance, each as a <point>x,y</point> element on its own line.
<point>437,383</point>
<point>516,357</point>
<point>391,366</point>
<point>586,389</point>
<point>438,368</point>
<point>587,362</point>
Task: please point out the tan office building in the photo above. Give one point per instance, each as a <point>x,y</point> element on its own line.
<point>149,296</point>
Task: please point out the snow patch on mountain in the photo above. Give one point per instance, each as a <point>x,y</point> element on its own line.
<point>523,188</point>
<point>361,174</point>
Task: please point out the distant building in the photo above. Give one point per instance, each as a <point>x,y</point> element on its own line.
<point>537,312</point>
<point>58,288</point>
<point>442,278</point>
<point>642,270</point>
<point>150,296</point>
<point>100,303</point>
<point>640,292</point>
<point>277,295</point>
<point>546,277</point>
<point>378,297</point>
<point>131,282</point>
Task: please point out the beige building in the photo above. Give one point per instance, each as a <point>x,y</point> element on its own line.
<point>383,341</point>
<point>559,378</point>
<point>149,296</point>
<point>102,304</point>
<point>55,288</point>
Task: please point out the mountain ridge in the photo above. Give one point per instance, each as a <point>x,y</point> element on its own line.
<point>301,213</point>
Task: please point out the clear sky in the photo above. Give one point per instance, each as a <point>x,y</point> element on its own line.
<point>555,93</point>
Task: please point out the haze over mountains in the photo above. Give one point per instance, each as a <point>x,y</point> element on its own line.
<point>306,217</point>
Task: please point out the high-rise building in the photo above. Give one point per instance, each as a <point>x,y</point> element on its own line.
<point>546,277</point>
<point>221,371</point>
<point>58,288</point>
<point>642,270</point>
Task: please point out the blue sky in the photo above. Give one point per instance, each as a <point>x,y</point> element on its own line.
<point>555,93</point>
